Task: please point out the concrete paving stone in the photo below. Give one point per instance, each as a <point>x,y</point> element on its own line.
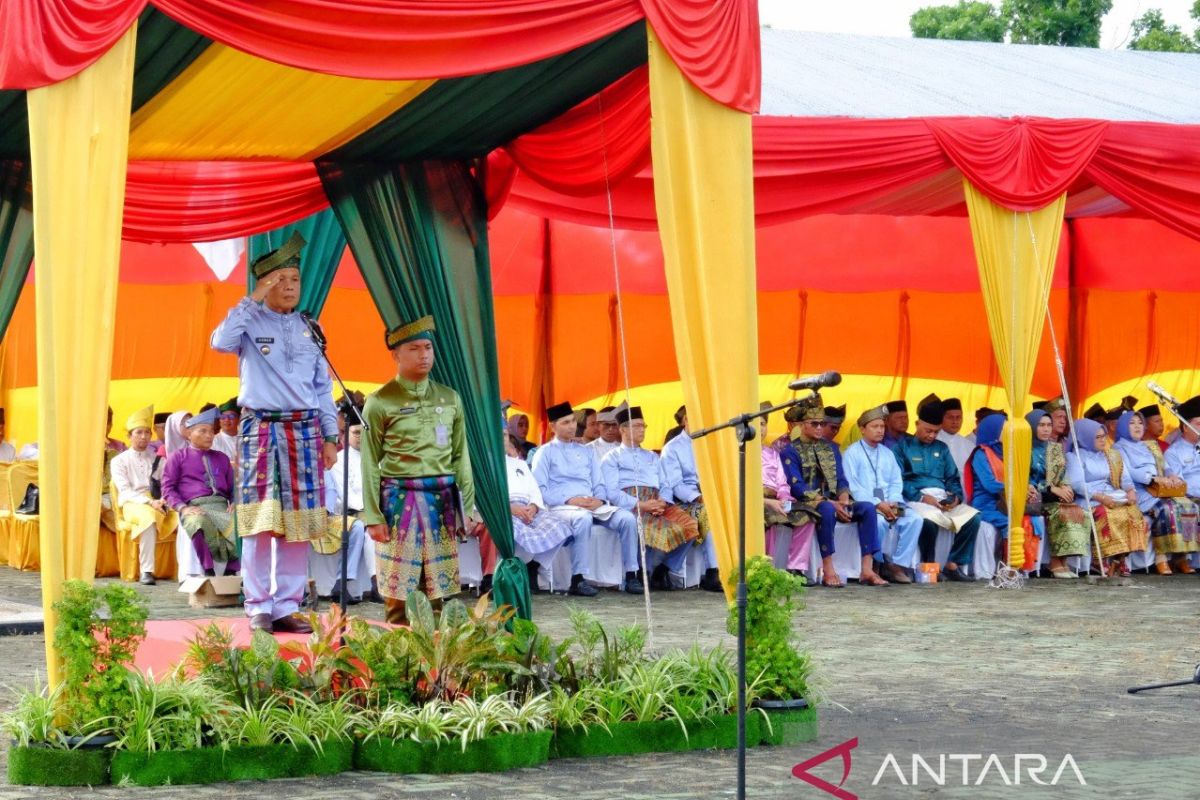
<point>948,669</point>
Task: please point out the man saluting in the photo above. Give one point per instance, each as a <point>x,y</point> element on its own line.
<point>416,475</point>
<point>287,438</point>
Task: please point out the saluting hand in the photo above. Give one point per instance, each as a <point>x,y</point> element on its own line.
<point>262,288</point>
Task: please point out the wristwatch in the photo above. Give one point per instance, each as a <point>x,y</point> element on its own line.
<point>331,440</point>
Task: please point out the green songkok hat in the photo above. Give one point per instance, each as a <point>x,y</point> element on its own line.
<point>286,256</point>
<point>410,332</point>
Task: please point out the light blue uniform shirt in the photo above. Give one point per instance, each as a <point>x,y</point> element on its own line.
<point>1181,460</point>
<point>681,482</point>
<point>564,470</point>
<point>626,467</point>
<point>279,365</point>
<point>869,468</point>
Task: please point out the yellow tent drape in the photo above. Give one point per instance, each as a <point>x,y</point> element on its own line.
<point>79,138</point>
<point>1016,251</point>
<point>704,197</point>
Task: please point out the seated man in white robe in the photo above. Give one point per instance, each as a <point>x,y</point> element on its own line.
<point>952,422</point>
<point>540,533</point>
<point>360,564</point>
<point>149,518</point>
<point>226,440</point>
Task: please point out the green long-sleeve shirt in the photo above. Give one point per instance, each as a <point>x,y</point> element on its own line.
<point>926,466</point>
<point>417,430</point>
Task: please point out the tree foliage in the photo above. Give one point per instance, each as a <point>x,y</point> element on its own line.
<point>1151,32</point>
<point>970,20</point>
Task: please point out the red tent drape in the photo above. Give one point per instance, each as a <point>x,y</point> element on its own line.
<point>714,42</point>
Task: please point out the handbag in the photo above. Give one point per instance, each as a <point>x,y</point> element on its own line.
<point>30,503</point>
<point>156,482</point>
<point>1161,490</point>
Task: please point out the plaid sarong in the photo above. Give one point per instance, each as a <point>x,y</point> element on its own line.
<point>215,523</point>
<point>281,485</point>
<point>668,531</point>
<point>424,517</point>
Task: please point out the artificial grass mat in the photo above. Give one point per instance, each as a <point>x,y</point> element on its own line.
<point>216,764</point>
<point>494,754</point>
<point>48,766</point>
<point>664,736</point>
<point>789,726</point>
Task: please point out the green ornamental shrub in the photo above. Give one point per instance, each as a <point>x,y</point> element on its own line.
<point>774,662</point>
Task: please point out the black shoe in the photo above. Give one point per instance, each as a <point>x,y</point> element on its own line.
<point>633,583</point>
<point>711,582</point>
<point>210,573</point>
<point>148,579</point>
<point>533,568</point>
<point>485,586</point>
<point>957,574</point>
<point>581,588</point>
<point>660,579</point>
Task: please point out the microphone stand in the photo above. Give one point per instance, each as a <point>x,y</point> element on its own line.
<point>1173,405</point>
<point>744,431</point>
<point>318,337</point>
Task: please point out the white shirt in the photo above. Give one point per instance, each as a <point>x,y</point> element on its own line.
<point>29,452</point>
<point>522,487</point>
<point>131,475</point>
<point>960,447</point>
<point>355,493</point>
<point>603,448</point>
<point>7,452</point>
<point>224,443</point>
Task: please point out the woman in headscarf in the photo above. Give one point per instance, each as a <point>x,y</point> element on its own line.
<point>778,511</point>
<point>1172,520</point>
<point>176,438</point>
<point>1062,523</point>
<point>983,484</point>
<point>518,426</point>
<point>1100,473</point>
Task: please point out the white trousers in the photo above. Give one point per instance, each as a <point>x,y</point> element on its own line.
<point>147,540</point>
<point>274,575</point>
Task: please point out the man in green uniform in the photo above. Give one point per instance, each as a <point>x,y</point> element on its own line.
<point>416,474</point>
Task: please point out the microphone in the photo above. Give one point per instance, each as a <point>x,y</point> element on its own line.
<point>830,378</point>
<point>314,328</point>
<point>1162,393</point>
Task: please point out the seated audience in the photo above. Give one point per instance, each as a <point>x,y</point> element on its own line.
<point>361,553</point>
<point>609,438</point>
<point>571,481</point>
<point>1161,497</point>
<point>873,475</point>
<point>198,483</point>
<point>933,490</point>
<point>835,417</point>
<point>518,426</point>
<point>984,488</point>
<point>681,485</point>
<point>814,471</point>
<point>897,423</point>
<point>539,532</point>
<point>680,425</point>
<point>952,422</point>
<point>1152,414</point>
<point>149,518</point>
<point>226,440</point>
<point>779,511</point>
<point>1060,522</point>
<point>633,480</point>
<point>1099,474</point>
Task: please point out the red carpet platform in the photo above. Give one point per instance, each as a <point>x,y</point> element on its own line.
<point>167,640</point>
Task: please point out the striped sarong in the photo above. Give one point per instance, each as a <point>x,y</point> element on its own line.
<point>424,517</point>
<point>281,486</point>
<point>666,532</point>
<point>547,531</point>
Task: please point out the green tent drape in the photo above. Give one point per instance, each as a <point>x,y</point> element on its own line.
<point>16,236</point>
<point>320,259</point>
<point>419,234</point>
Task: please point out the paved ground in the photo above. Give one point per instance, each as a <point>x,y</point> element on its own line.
<point>938,670</point>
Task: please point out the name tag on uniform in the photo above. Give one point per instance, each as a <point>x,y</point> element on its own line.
<point>265,340</point>
<point>441,435</point>
<point>937,455</point>
<point>406,411</point>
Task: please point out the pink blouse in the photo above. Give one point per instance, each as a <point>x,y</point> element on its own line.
<point>772,474</point>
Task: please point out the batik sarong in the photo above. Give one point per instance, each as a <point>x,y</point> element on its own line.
<point>1067,529</point>
<point>215,524</point>
<point>1173,525</point>
<point>698,512</point>
<point>1122,530</point>
<point>667,531</point>
<point>140,516</point>
<point>547,531</point>
<point>425,519</point>
<point>281,486</point>
<point>792,519</point>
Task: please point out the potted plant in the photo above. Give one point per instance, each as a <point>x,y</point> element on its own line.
<point>42,754</point>
<point>775,664</point>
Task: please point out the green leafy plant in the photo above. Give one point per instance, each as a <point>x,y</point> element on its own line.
<point>33,719</point>
<point>599,655</point>
<point>247,676</point>
<point>174,714</point>
<point>98,634</point>
<point>774,662</point>
<point>325,667</point>
<point>466,720</point>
